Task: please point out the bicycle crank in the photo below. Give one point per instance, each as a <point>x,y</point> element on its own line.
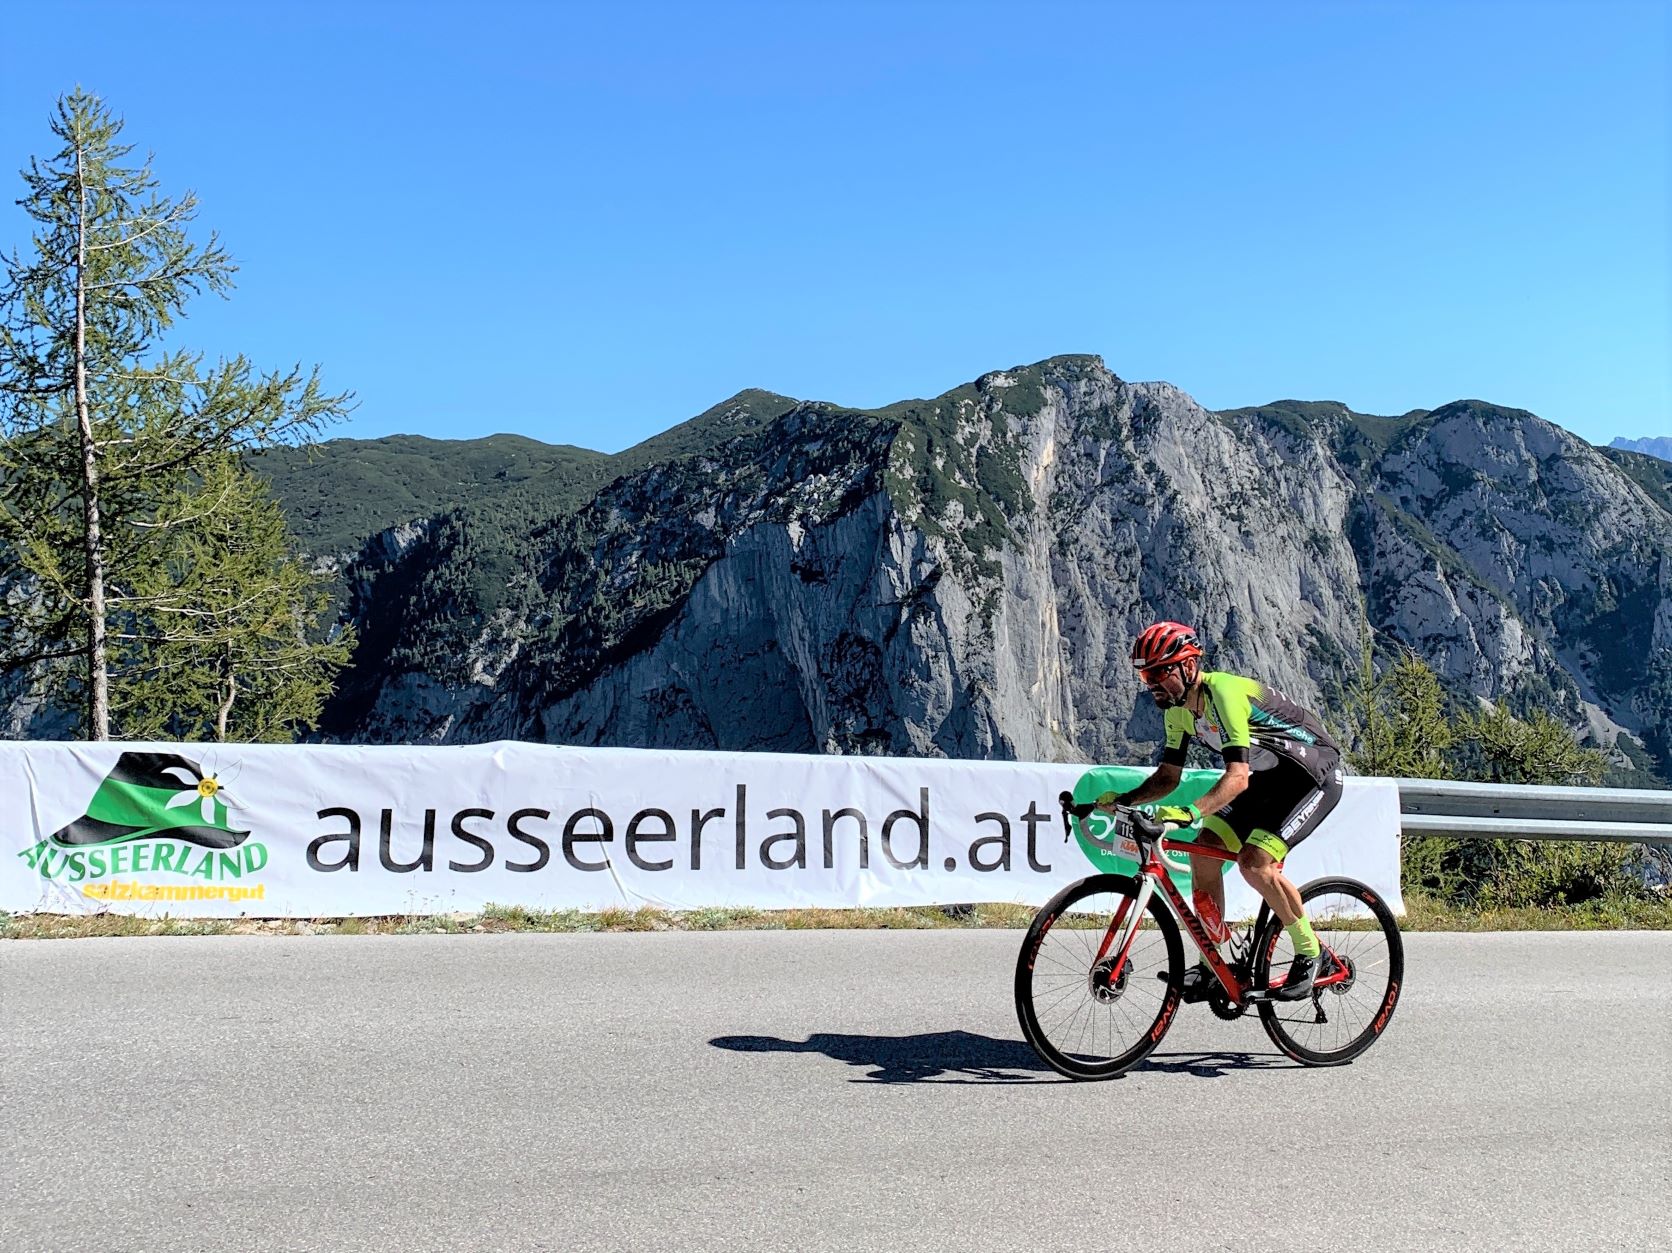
<point>1222,1007</point>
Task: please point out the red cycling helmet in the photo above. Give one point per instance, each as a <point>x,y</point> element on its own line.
<point>1164,643</point>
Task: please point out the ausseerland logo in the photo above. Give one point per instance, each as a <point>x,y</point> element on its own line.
<point>154,813</point>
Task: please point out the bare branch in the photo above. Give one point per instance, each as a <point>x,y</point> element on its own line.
<point>173,217</point>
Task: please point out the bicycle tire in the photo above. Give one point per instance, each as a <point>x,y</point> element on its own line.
<point>1070,1057</point>
<point>1285,1021</point>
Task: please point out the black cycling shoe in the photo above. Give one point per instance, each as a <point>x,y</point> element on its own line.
<point>1302,972</point>
<point>1197,983</point>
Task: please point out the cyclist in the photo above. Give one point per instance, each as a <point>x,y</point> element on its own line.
<point>1282,777</point>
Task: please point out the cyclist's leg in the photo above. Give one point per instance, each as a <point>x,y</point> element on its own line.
<point>1275,837</point>
<point>1207,874</point>
<point>1207,894</point>
<point>1265,850</point>
<point>1272,795</point>
<point>1232,825</point>
<point>1264,873</point>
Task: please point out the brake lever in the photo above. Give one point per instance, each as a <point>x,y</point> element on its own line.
<point>1082,812</point>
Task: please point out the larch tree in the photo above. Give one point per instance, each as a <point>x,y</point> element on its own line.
<point>231,649</point>
<point>105,426</point>
<point>1401,725</point>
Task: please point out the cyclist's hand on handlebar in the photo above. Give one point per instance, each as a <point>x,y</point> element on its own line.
<point>1111,801</point>
<point>1177,815</point>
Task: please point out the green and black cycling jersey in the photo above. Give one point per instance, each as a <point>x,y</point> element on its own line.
<point>1243,720</point>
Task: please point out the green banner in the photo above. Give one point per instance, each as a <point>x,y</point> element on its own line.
<point>1096,834</point>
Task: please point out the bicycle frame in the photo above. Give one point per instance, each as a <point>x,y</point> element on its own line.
<point>1154,871</point>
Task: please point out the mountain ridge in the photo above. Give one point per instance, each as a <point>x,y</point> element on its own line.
<point>972,482</point>
<point>1657,446</point>
<point>960,575</point>
<point>567,473</point>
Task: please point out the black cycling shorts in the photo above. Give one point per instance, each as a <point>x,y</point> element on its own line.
<point>1283,802</point>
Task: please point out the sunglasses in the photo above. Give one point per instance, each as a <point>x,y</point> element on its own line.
<point>1151,675</point>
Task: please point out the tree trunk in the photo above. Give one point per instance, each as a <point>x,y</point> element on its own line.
<point>226,704</point>
<point>98,692</point>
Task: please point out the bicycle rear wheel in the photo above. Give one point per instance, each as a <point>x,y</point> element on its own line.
<point>1084,1023</point>
<point>1362,974</point>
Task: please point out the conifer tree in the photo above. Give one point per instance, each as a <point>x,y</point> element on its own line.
<point>232,620</point>
<point>1536,749</point>
<point>1402,727</point>
<point>101,421</point>
<point>1405,729</point>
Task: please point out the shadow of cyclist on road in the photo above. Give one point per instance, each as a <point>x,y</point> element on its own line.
<point>963,1057</point>
<point>1214,1065</point>
<point>939,1056</point>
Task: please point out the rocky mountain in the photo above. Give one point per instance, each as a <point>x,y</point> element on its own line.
<point>337,495</point>
<point>1655,446</point>
<point>962,575</point>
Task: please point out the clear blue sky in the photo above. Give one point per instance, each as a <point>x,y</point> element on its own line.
<point>585,223</point>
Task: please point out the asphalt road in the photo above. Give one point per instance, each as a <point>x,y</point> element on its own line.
<point>807,1091</point>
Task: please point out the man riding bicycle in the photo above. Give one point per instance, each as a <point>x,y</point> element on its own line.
<point>1282,778</point>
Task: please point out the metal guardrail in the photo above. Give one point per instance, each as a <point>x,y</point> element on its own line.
<point>1506,811</point>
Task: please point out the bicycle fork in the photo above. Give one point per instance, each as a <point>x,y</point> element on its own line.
<point>1123,928</point>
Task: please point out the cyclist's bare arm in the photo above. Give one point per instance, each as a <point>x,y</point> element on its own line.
<point>1159,784</point>
<point>1232,784</point>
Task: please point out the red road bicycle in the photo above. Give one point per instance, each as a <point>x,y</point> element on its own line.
<point>1100,974</point>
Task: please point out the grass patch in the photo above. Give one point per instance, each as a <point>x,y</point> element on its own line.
<point>724,920</point>
<point>1422,913</point>
<point>93,926</point>
<point>1425,913</point>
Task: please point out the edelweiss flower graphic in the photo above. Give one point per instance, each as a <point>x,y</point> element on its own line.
<point>206,791</point>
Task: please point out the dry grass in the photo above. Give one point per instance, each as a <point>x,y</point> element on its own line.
<point>84,926</point>
<point>1622,914</point>
<point>1421,914</point>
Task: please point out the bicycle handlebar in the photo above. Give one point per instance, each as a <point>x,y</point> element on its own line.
<point>1145,828</point>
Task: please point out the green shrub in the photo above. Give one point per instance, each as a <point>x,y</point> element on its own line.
<point>1521,874</point>
<point>1404,726</point>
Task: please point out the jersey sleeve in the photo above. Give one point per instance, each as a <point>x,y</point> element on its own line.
<point>1179,726</point>
<point>1233,698</point>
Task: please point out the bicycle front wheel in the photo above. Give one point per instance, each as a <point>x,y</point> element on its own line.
<point>1359,979</point>
<point>1087,1020</point>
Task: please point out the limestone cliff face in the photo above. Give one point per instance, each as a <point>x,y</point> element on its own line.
<point>1547,563</point>
<point>963,576</point>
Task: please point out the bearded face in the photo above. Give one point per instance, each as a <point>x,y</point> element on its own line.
<point>1169,683</point>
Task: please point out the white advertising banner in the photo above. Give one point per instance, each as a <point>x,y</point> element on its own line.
<point>326,831</point>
